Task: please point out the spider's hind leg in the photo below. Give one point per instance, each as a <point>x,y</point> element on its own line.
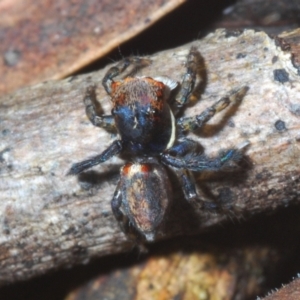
<point>190,193</point>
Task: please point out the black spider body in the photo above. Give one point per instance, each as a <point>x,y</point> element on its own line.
<point>142,115</point>
<point>151,138</point>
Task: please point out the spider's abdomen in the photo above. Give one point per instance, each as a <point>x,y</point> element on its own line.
<point>146,195</point>
<point>142,115</point>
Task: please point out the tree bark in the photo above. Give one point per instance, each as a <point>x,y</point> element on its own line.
<point>290,291</point>
<point>49,220</point>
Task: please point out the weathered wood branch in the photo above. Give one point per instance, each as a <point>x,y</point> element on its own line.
<point>290,291</point>
<point>48,220</point>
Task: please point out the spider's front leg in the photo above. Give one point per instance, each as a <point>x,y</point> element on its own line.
<point>136,63</point>
<point>104,121</point>
<point>186,124</point>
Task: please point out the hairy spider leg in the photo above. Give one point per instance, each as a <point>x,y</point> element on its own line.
<point>190,193</point>
<point>194,66</point>
<point>186,124</point>
<point>136,62</point>
<point>184,155</point>
<point>114,149</point>
<point>104,121</point>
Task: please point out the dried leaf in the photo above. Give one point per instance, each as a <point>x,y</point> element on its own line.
<point>52,39</point>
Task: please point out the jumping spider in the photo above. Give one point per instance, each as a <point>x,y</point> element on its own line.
<point>151,138</point>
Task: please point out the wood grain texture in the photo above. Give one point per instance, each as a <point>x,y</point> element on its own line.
<point>290,291</point>
<point>48,220</point>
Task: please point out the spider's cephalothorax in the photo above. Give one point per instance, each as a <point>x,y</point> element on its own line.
<point>151,138</point>
<point>142,115</point>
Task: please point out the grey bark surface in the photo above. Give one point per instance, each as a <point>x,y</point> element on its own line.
<point>49,220</point>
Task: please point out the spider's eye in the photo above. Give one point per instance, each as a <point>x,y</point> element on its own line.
<point>150,112</point>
